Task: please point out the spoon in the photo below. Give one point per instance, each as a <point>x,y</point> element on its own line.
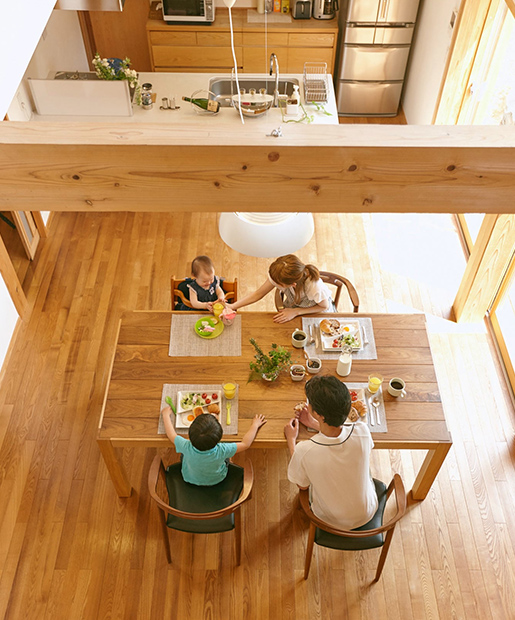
<point>375,403</point>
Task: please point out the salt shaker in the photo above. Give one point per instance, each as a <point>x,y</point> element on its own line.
<point>146,96</point>
<point>344,361</point>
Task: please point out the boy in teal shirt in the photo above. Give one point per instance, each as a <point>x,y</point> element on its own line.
<point>204,457</point>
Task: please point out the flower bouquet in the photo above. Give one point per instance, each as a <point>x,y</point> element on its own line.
<point>268,366</point>
<point>118,69</point>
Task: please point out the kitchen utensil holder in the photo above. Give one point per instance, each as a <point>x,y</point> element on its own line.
<point>315,82</point>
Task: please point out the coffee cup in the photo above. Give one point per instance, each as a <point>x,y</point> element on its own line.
<point>299,338</point>
<point>396,387</point>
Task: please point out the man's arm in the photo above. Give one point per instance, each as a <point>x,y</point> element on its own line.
<point>291,432</point>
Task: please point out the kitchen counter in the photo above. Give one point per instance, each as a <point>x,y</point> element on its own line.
<point>185,84</point>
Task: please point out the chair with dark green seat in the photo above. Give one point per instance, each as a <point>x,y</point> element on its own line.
<point>200,510</point>
<point>368,536</point>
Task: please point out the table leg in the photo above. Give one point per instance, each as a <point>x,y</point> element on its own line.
<point>429,470</point>
<point>115,468</point>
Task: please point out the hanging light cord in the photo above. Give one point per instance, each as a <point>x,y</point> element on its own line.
<point>235,68</point>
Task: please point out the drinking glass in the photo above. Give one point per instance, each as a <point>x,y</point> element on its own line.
<point>374,382</point>
<point>218,309</point>
<point>229,389</point>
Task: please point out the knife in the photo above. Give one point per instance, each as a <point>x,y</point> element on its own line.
<point>169,402</point>
<point>365,338</point>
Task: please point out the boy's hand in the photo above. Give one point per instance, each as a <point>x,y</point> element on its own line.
<point>259,420</point>
<point>166,411</point>
<point>291,429</point>
<point>209,306</point>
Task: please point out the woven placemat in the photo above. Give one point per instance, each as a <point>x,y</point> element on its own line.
<point>171,389</point>
<point>185,342</point>
<point>376,427</point>
<point>368,352</point>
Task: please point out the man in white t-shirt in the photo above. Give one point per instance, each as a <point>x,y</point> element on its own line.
<point>335,463</point>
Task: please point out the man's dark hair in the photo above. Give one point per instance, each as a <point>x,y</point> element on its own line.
<point>330,398</point>
<point>205,432</point>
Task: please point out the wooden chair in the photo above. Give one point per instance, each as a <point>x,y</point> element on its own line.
<point>329,278</point>
<point>179,291</point>
<point>200,510</point>
<point>368,536</point>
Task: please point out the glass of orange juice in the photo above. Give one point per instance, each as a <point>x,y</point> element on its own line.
<point>374,382</point>
<point>218,308</point>
<point>229,389</point>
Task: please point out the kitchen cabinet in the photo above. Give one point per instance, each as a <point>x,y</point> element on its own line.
<point>203,48</point>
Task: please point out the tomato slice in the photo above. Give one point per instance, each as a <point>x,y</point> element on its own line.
<point>208,400</point>
<point>204,395</point>
<point>214,396</point>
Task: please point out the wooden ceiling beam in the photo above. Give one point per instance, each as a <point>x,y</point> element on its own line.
<point>345,168</point>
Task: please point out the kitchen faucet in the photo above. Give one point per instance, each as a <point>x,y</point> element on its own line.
<point>273,58</point>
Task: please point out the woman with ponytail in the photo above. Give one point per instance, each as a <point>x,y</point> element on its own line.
<point>301,286</point>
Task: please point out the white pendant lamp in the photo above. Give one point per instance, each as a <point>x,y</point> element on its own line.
<point>266,235</point>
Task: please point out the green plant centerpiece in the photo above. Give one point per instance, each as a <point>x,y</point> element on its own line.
<point>268,366</point>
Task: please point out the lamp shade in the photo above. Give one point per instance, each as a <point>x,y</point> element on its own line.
<point>266,235</point>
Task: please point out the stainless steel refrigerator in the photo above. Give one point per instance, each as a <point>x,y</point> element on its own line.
<point>375,40</point>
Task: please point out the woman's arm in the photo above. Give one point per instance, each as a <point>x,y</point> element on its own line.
<point>287,314</point>
<point>263,290</point>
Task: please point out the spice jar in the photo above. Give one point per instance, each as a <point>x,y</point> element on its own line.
<point>146,96</point>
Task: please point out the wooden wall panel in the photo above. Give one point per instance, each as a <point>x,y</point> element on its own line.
<point>151,167</point>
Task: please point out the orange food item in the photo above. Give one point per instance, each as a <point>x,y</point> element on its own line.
<point>190,418</point>
<point>197,411</point>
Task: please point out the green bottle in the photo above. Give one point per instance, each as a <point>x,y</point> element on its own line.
<point>205,104</point>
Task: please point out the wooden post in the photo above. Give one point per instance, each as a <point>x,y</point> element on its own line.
<point>429,470</point>
<point>490,257</point>
<point>11,280</point>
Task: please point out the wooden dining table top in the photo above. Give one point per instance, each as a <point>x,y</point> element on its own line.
<point>141,365</point>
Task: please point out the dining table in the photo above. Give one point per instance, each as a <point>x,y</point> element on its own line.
<point>140,365</point>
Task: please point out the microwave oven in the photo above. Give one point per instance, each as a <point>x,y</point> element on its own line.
<point>189,11</point>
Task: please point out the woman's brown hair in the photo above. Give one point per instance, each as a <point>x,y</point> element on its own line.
<point>290,270</point>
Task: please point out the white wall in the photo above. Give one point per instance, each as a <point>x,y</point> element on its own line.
<point>62,32</point>
<point>21,25</point>
<point>428,55</point>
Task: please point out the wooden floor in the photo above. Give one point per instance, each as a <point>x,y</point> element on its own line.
<point>70,548</point>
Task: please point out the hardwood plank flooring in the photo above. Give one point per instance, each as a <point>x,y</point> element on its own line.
<point>70,548</point>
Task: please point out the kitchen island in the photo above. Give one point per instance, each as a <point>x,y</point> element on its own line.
<point>177,85</point>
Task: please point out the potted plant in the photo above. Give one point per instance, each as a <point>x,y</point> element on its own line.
<point>268,366</point>
<point>117,69</point>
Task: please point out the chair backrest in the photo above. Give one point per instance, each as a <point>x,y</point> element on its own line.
<point>396,485</point>
<point>329,278</point>
<point>159,492</point>
<point>179,291</point>
<point>339,281</point>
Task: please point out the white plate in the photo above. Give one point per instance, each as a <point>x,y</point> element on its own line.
<point>354,329</point>
<point>201,403</point>
<point>183,413</point>
<point>360,393</point>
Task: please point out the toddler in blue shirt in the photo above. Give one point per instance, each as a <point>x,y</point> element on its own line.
<point>204,457</point>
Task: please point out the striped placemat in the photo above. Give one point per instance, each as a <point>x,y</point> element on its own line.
<point>171,389</point>
<point>185,342</point>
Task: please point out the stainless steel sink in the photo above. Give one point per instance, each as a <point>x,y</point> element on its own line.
<point>223,87</point>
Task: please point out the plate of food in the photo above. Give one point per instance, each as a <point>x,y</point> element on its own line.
<point>359,406</point>
<point>192,404</point>
<point>335,333</point>
<point>209,327</point>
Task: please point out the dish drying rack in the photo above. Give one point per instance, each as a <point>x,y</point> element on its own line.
<point>315,82</point>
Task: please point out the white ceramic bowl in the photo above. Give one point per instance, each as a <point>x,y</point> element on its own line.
<point>299,377</point>
<point>313,371</point>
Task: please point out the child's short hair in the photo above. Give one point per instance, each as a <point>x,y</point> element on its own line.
<point>205,432</point>
<point>202,263</point>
